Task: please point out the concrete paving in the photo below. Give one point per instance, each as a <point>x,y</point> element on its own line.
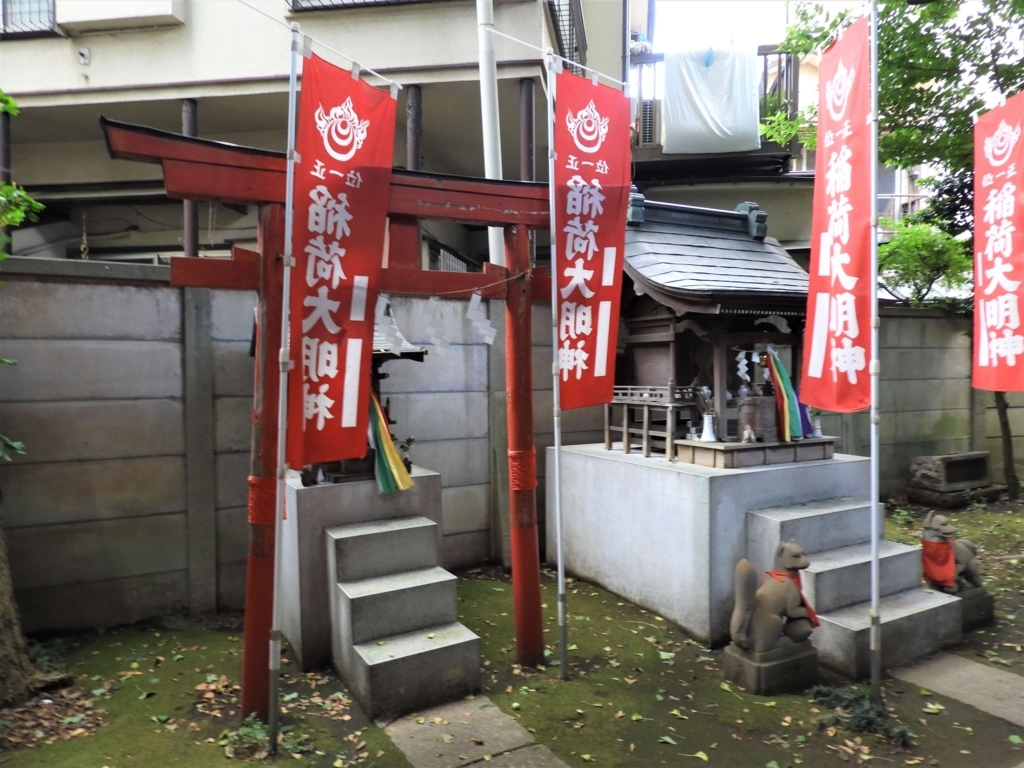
<point>465,732</point>
<point>986,688</point>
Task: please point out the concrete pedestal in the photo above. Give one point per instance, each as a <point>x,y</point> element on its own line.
<point>789,669</point>
<point>305,604</point>
<point>667,535</point>
<point>978,607</point>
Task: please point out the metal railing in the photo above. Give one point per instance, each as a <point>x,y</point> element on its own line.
<point>26,17</point>
<point>443,259</point>
<point>895,207</point>
<point>323,5</point>
<point>778,91</point>
<point>572,35</point>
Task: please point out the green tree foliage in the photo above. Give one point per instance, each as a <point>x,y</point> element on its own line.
<point>920,257</point>
<point>936,64</point>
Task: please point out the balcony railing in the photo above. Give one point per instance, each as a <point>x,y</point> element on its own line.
<point>778,91</point>
<point>321,5</point>
<point>26,18</point>
<point>572,36</point>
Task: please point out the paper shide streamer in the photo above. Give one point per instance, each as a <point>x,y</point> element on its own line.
<point>435,333</point>
<point>387,325</point>
<point>476,315</point>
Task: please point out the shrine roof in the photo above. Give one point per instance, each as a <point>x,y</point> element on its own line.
<point>697,259</point>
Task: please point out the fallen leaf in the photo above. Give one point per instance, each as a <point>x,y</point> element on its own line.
<point>667,740</point>
<point>700,755</point>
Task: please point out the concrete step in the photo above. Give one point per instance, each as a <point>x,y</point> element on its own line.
<point>415,670</point>
<point>365,550</point>
<point>841,577</point>
<point>915,622</point>
<point>370,609</point>
<point>817,526</point>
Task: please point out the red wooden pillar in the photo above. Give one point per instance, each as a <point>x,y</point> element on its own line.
<point>259,583</point>
<point>522,456</point>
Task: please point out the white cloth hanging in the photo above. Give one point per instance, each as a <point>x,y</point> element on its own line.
<point>711,100</point>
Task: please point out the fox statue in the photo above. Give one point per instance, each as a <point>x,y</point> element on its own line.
<point>762,616</point>
<point>950,563</point>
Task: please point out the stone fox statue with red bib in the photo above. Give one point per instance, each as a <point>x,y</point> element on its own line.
<point>778,608</point>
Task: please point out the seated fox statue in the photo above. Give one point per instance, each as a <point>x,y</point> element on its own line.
<point>949,563</point>
<point>763,615</point>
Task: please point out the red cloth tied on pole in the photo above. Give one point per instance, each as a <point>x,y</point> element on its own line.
<point>999,256</point>
<point>938,562</point>
<point>346,134</point>
<point>592,180</point>
<point>795,577</point>
<point>838,336</point>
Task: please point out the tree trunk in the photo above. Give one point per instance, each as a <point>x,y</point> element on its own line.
<point>1009,467</point>
<point>17,674</point>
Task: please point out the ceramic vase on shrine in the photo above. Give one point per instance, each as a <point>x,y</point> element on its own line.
<point>708,435</point>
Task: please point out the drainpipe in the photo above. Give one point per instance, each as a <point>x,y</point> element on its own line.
<point>413,127</point>
<point>5,173</point>
<point>489,115</point>
<point>190,208</point>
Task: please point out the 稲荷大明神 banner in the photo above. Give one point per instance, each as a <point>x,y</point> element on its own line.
<point>592,179</point>
<point>998,257</point>
<point>345,143</point>
<point>837,347</point>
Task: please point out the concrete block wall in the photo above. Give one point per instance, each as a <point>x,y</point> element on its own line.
<point>442,402</point>
<point>927,403</point>
<point>992,437</point>
<point>233,372</point>
<point>96,511</point>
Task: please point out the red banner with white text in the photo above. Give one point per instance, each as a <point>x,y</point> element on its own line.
<point>345,143</point>
<point>592,179</point>
<point>837,344</point>
<point>998,261</point>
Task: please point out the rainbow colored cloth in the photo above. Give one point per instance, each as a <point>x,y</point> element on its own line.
<point>791,415</point>
<point>391,473</point>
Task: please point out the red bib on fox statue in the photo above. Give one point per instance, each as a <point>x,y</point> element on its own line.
<point>782,576</point>
<point>938,562</point>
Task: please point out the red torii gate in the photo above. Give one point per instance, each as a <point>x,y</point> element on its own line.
<point>200,169</point>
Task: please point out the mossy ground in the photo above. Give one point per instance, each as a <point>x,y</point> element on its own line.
<point>132,734</point>
<point>998,530</point>
<point>621,669</point>
<point>636,682</point>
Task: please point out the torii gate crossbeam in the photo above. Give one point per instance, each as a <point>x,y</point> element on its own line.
<point>213,171</point>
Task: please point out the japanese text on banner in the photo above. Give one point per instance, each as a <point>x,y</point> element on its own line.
<point>999,257</point>
<point>345,143</point>
<point>835,375</point>
<point>592,178</point>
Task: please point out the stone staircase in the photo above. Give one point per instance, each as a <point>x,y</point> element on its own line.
<point>836,534</point>
<point>395,635</point>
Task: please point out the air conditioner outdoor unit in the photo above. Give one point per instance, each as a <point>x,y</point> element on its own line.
<point>650,123</point>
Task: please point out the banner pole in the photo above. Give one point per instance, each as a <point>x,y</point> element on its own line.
<point>282,400</point>
<point>489,116</point>
<point>875,370</point>
<point>563,631</point>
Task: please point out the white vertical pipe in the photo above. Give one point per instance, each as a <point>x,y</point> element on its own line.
<point>282,398</point>
<point>875,370</point>
<point>489,115</point>
<point>563,632</point>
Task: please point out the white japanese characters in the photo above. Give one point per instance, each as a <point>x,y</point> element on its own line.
<point>836,336</point>
<point>998,283</point>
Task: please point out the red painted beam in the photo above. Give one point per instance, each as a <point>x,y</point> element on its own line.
<point>200,169</point>
<point>192,272</point>
<point>403,243</point>
<point>541,284</point>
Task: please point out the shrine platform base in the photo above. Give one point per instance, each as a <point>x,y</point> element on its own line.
<point>667,536</point>
<point>737,455</point>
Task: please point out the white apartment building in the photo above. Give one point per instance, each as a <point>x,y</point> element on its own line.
<point>67,62</point>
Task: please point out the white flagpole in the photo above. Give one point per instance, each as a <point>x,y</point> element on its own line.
<point>282,399</point>
<point>875,639</point>
<point>563,631</point>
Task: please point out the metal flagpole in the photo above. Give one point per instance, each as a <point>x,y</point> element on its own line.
<point>282,400</point>
<point>489,116</point>
<point>563,632</point>
<point>875,369</point>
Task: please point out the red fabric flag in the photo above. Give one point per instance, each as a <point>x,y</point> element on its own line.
<point>346,134</point>
<point>838,336</point>
<point>592,179</point>
<point>998,262</point>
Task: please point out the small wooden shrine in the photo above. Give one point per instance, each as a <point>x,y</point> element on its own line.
<point>710,294</point>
